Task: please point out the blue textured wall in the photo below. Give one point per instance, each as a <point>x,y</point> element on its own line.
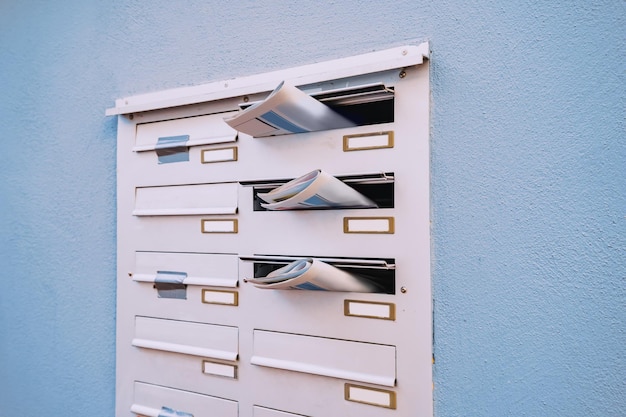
<point>528,183</point>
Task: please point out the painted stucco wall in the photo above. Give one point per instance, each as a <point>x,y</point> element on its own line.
<point>528,183</point>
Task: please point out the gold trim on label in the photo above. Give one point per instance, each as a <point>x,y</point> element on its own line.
<point>234,157</point>
<point>219,363</point>
<point>392,309</point>
<point>234,293</point>
<point>234,223</point>
<point>390,228</point>
<point>348,148</point>
<point>392,396</point>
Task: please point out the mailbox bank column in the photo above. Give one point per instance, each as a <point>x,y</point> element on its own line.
<point>274,244</point>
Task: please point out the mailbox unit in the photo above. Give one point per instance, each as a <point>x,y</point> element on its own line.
<point>194,338</point>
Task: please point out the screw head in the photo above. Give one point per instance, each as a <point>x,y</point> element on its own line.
<point>403,290</point>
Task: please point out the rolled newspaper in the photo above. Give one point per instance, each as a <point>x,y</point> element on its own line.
<point>312,274</point>
<point>314,190</point>
<point>287,110</point>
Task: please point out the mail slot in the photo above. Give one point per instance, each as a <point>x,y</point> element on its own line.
<point>183,200</point>
<point>189,338</point>
<point>375,187</point>
<point>157,401</point>
<point>202,269</point>
<point>273,235</point>
<point>379,274</point>
<point>364,105</point>
<point>199,130</point>
<point>356,361</point>
<point>171,274</point>
<point>183,150</point>
<point>186,372</point>
<point>346,106</point>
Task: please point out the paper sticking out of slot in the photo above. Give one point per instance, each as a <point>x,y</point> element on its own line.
<point>170,412</point>
<point>287,110</point>
<point>315,190</point>
<point>312,274</point>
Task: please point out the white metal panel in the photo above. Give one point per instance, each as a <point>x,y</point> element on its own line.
<point>185,372</point>
<point>154,401</point>
<point>202,130</point>
<point>364,362</point>
<point>173,359</point>
<point>197,339</point>
<point>300,232</point>
<point>208,269</point>
<point>184,200</point>
<point>290,156</point>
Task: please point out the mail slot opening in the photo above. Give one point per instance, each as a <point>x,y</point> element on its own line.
<point>373,190</point>
<point>366,105</point>
<point>289,109</point>
<point>372,275</point>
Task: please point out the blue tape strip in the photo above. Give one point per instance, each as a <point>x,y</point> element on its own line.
<point>170,284</point>
<point>172,149</point>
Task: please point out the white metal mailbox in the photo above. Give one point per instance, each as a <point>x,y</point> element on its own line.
<point>274,243</point>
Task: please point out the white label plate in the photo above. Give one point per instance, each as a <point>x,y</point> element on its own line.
<point>372,396</point>
<point>385,311</point>
<point>219,155</point>
<point>219,369</point>
<point>361,142</point>
<point>368,225</point>
<point>230,298</point>
<point>219,226</point>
